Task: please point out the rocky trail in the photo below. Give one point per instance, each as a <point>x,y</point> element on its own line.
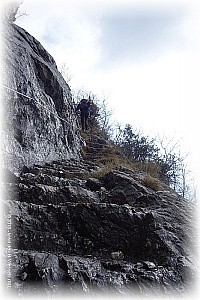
<point>73,231</point>
<point>73,224</point>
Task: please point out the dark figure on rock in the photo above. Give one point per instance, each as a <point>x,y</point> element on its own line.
<point>85,109</point>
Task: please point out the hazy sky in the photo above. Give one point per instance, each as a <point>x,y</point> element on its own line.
<point>142,55</point>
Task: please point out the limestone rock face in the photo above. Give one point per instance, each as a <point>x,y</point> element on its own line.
<point>73,232</point>
<point>72,226</point>
<point>40,126</point>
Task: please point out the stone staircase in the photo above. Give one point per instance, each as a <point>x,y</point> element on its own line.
<point>99,149</point>
<point>68,228</point>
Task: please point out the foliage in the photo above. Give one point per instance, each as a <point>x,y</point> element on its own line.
<point>136,146</point>
<point>157,158</point>
<point>168,162</point>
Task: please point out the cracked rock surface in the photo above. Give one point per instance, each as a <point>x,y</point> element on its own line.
<point>40,126</point>
<point>74,233</point>
<point>74,227</point>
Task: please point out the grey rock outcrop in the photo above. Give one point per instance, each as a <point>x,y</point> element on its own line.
<point>42,126</point>
<point>68,237</point>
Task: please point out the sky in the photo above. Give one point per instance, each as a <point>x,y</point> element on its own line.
<point>141,55</point>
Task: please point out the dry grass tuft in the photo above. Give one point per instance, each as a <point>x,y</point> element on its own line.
<point>110,158</point>
<point>151,182</point>
<point>149,168</point>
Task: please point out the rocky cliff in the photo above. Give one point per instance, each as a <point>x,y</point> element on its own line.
<point>39,119</point>
<point>74,232</point>
<point>71,225</point>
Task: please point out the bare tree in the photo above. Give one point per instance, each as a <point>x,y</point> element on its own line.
<point>100,114</point>
<point>10,10</point>
<point>173,166</point>
<point>65,71</point>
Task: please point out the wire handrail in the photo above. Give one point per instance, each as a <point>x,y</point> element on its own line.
<point>31,98</point>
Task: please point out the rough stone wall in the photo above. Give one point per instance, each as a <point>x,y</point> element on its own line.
<point>35,130</point>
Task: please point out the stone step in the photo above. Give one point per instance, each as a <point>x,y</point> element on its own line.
<point>86,274</point>
<point>79,228</point>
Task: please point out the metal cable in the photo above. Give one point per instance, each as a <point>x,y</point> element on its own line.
<point>31,98</point>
